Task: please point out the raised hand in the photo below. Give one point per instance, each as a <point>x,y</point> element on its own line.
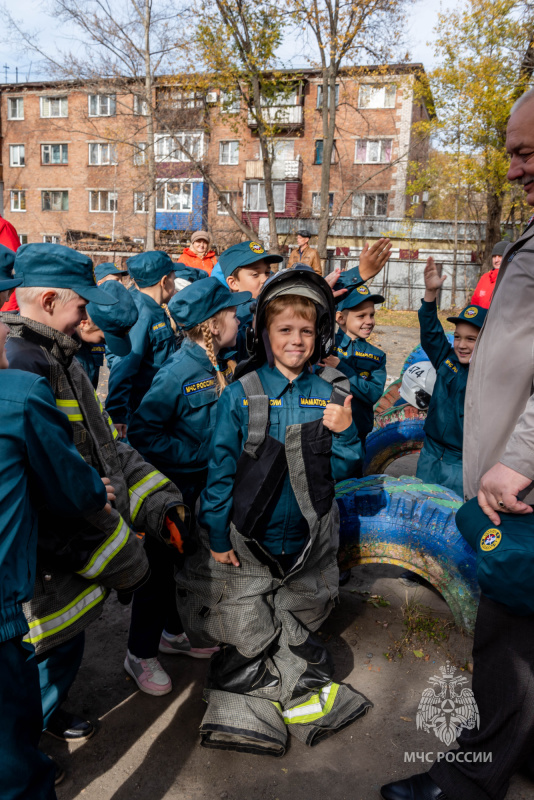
<point>338,418</point>
<point>373,259</point>
<point>433,282</point>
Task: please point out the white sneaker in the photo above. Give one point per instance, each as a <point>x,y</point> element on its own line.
<point>180,645</point>
<point>148,674</point>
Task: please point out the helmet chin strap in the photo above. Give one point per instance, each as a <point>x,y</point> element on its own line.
<point>268,348</point>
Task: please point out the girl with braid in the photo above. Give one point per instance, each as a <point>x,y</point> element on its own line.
<point>172,430</point>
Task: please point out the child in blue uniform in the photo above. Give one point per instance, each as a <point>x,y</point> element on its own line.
<point>172,428</point>
<point>266,575</point>
<point>362,363</point>
<point>440,460</point>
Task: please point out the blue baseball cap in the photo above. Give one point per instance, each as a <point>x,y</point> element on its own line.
<point>108,268</point>
<point>348,279</point>
<point>245,254</point>
<point>358,295</point>
<point>190,274</point>
<point>201,300</point>
<point>115,321</point>
<point>475,315</point>
<point>7,259</point>
<point>59,267</point>
<point>149,268</point>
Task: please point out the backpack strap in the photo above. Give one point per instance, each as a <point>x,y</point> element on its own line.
<point>258,412</point>
<point>339,382</point>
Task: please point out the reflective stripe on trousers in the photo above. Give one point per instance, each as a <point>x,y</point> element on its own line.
<point>140,491</point>
<point>319,705</point>
<point>107,550</point>
<point>53,623</point>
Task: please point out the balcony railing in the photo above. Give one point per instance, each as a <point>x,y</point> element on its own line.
<point>281,170</point>
<point>284,116</point>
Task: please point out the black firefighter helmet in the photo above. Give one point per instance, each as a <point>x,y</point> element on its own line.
<point>302,281</point>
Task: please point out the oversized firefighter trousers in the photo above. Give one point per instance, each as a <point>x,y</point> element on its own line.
<point>272,675</point>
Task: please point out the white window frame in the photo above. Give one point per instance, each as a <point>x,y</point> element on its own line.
<point>63,101</point>
<point>23,238</point>
<point>52,192</point>
<point>230,102</point>
<point>221,211</point>
<point>316,203</point>
<point>163,190</point>
<point>19,103</point>
<point>112,200</point>
<point>140,106</point>
<point>254,188</point>
<point>382,95</point>
<point>98,101</point>
<point>358,214</point>
<point>51,238</point>
<point>167,151</point>
<point>320,95</point>
<point>232,154</point>
<point>101,160</point>
<point>144,209</point>
<point>381,142</point>
<point>17,200</point>
<point>139,156</point>
<point>16,161</point>
<point>51,163</point>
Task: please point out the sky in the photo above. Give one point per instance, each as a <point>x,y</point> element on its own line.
<point>422,19</point>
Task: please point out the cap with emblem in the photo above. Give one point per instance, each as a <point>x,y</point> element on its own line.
<point>245,254</point>
<point>356,296</point>
<point>59,267</point>
<point>108,268</point>
<point>473,314</point>
<point>7,259</point>
<point>201,300</point>
<point>149,268</point>
<point>116,320</point>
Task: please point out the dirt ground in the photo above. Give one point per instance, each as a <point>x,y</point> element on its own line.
<point>148,747</point>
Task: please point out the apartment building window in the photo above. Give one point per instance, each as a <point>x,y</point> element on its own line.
<point>377,96</point>
<point>102,105</point>
<point>18,200</point>
<point>54,154</point>
<point>319,147</point>
<point>167,147</point>
<point>23,238</point>
<point>230,103</point>
<point>373,151</point>
<point>54,107</point>
<point>54,200</point>
<point>316,203</point>
<point>228,153</point>
<point>178,99</point>
<point>255,199</point>
<point>102,201</point>
<point>140,106</point>
<point>367,204</point>
<point>320,96</point>
<point>174,196</point>
<point>51,238</point>
<point>221,210</point>
<point>102,154</point>
<point>140,203</point>
<point>140,153</point>
<point>15,108</point>
<point>16,155</point>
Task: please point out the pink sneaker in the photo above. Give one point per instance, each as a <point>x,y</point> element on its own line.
<point>148,674</point>
<point>180,645</point>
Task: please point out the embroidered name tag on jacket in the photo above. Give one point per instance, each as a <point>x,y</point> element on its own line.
<point>199,386</point>
<point>371,356</point>
<point>98,348</point>
<point>312,402</point>
<point>159,325</point>
<point>277,402</point>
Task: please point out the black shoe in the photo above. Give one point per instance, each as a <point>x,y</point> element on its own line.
<point>344,577</point>
<point>69,727</point>
<point>60,772</point>
<point>418,787</point>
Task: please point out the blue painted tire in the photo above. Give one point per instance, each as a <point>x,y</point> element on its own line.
<point>405,522</point>
<point>418,354</point>
<point>398,432</point>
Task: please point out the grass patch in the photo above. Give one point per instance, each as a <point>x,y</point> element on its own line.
<point>420,627</point>
<point>409,319</point>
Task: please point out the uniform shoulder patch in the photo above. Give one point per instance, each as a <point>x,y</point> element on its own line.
<point>198,386</point>
<point>98,348</point>
<point>312,402</point>
<point>450,365</point>
<point>158,326</point>
<point>491,539</point>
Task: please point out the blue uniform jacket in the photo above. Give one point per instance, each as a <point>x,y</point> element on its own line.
<point>245,317</point>
<point>365,367</point>
<point>445,418</point>
<point>91,357</point>
<point>303,400</point>
<point>38,465</point>
<point>153,342</point>
<point>172,427</point>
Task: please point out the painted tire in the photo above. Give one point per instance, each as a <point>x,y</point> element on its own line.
<point>402,521</point>
<point>389,398</point>
<point>418,354</point>
<point>398,432</point>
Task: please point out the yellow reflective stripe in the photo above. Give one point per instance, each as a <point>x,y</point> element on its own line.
<point>140,491</point>
<point>110,421</point>
<point>106,551</point>
<point>71,408</point>
<point>53,623</point>
<point>319,705</point>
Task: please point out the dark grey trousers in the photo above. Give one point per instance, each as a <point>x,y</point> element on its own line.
<point>503,685</point>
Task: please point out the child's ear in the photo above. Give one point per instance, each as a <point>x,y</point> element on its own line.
<point>340,318</point>
<point>233,283</point>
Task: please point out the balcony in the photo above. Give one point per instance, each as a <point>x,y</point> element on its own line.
<point>282,116</point>
<point>281,170</point>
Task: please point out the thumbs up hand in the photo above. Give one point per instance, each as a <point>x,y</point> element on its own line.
<point>338,418</point>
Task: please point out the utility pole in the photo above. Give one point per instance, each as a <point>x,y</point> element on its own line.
<point>6,67</point>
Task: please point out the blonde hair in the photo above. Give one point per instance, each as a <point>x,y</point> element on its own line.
<point>26,295</point>
<point>301,307</point>
<point>203,332</point>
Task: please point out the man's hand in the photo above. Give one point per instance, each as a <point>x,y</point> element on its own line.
<point>373,259</point>
<point>338,418</point>
<point>330,361</point>
<point>433,282</point>
<point>110,491</point>
<point>121,430</point>
<point>502,484</point>
<point>226,558</point>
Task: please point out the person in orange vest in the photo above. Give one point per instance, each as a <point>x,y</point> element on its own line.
<point>198,254</point>
<point>484,291</point>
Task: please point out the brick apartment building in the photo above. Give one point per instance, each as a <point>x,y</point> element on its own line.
<point>74,169</point>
